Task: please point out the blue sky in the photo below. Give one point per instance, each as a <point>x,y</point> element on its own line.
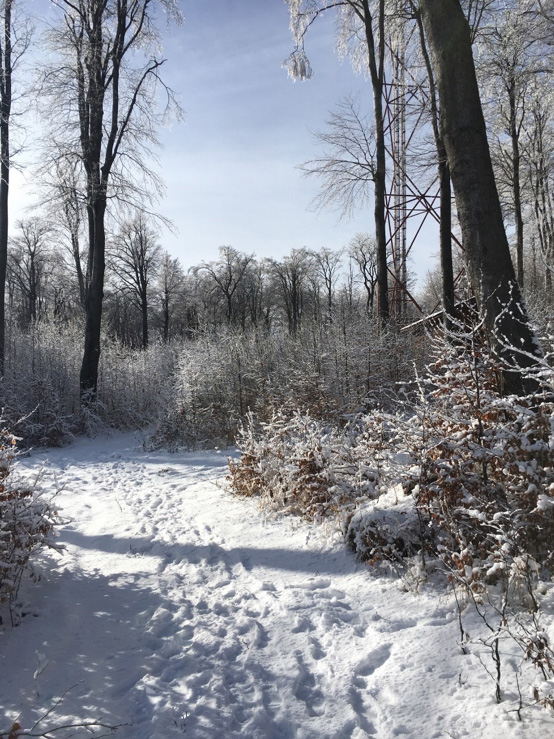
<point>230,168</point>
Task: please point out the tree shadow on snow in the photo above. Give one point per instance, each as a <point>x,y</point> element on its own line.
<point>271,558</point>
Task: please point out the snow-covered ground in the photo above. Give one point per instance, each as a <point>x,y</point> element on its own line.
<point>179,610</point>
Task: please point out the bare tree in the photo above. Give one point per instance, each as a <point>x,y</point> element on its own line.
<point>541,174</point>
<point>170,286</point>
<point>136,260</point>
<point>290,275</point>
<point>28,263</point>
<point>66,207</point>
<point>14,41</point>
<point>327,267</point>
<point>226,275</point>
<point>346,168</point>
<point>445,190</point>
<point>363,253</point>
<point>102,98</point>
<point>509,62</point>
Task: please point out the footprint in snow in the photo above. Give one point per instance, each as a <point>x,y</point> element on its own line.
<point>319,583</point>
<point>359,707</point>
<point>306,690</point>
<point>399,625</point>
<point>373,661</point>
<point>316,649</point>
<point>301,623</point>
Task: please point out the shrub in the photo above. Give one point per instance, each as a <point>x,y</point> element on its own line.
<point>27,523</point>
<point>486,464</point>
<point>302,465</point>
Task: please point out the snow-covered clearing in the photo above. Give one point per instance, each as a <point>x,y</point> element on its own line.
<point>178,610</point>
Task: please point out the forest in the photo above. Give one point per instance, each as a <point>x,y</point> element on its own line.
<point>412,420</point>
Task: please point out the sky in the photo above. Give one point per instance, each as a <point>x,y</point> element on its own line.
<point>231,167</point>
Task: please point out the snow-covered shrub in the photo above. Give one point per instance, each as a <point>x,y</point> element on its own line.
<point>39,394</point>
<point>387,531</point>
<point>287,465</point>
<point>27,522</point>
<point>302,465</point>
<point>327,371</point>
<point>201,410</point>
<point>486,466</point>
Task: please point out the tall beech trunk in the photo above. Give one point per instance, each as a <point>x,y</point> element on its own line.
<point>489,263</point>
<point>516,183</point>
<point>94,299</point>
<point>5,112</point>
<point>376,61</point>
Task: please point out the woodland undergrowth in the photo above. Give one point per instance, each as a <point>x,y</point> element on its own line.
<point>195,392</point>
<point>28,521</point>
<point>458,483</point>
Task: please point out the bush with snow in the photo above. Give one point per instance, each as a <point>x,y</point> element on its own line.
<point>328,371</point>
<point>486,466</point>
<point>39,393</point>
<point>27,522</point>
<point>302,465</point>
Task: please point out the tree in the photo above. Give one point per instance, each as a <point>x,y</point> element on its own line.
<point>136,260</point>
<point>327,266</point>
<point>226,275</point>
<point>362,252</point>
<point>14,41</point>
<point>445,190</point>
<point>509,62</point>
<point>362,33</point>
<point>67,208</point>
<point>103,100</point>
<point>290,277</point>
<point>170,286</point>
<point>346,168</point>
<point>541,171</point>
<point>486,245</point>
<point>28,260</point>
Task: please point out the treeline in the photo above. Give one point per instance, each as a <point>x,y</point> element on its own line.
<point>149,295</point>
<point>192,352</point>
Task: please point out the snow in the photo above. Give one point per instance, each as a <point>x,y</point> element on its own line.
<point>180,610</point>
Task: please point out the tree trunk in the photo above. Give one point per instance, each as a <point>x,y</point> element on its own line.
<point>4,193</point>
<point>144,311</point>
<point>5,112</point>
<point>445,190</point>
<point>93,303</point>
<point>486,246</point>
<point>165,304</point>
<point>445,237</point>
<point>78,269</point>
<point>376,69</point>
<point>516,162</point>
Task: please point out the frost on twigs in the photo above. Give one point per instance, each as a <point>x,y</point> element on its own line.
<point>459,481</point>
<point>298,66</point>
<point>486,486</point>
<point>27,524</point>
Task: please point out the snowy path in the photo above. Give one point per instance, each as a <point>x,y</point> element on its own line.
<point>178,611</point>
